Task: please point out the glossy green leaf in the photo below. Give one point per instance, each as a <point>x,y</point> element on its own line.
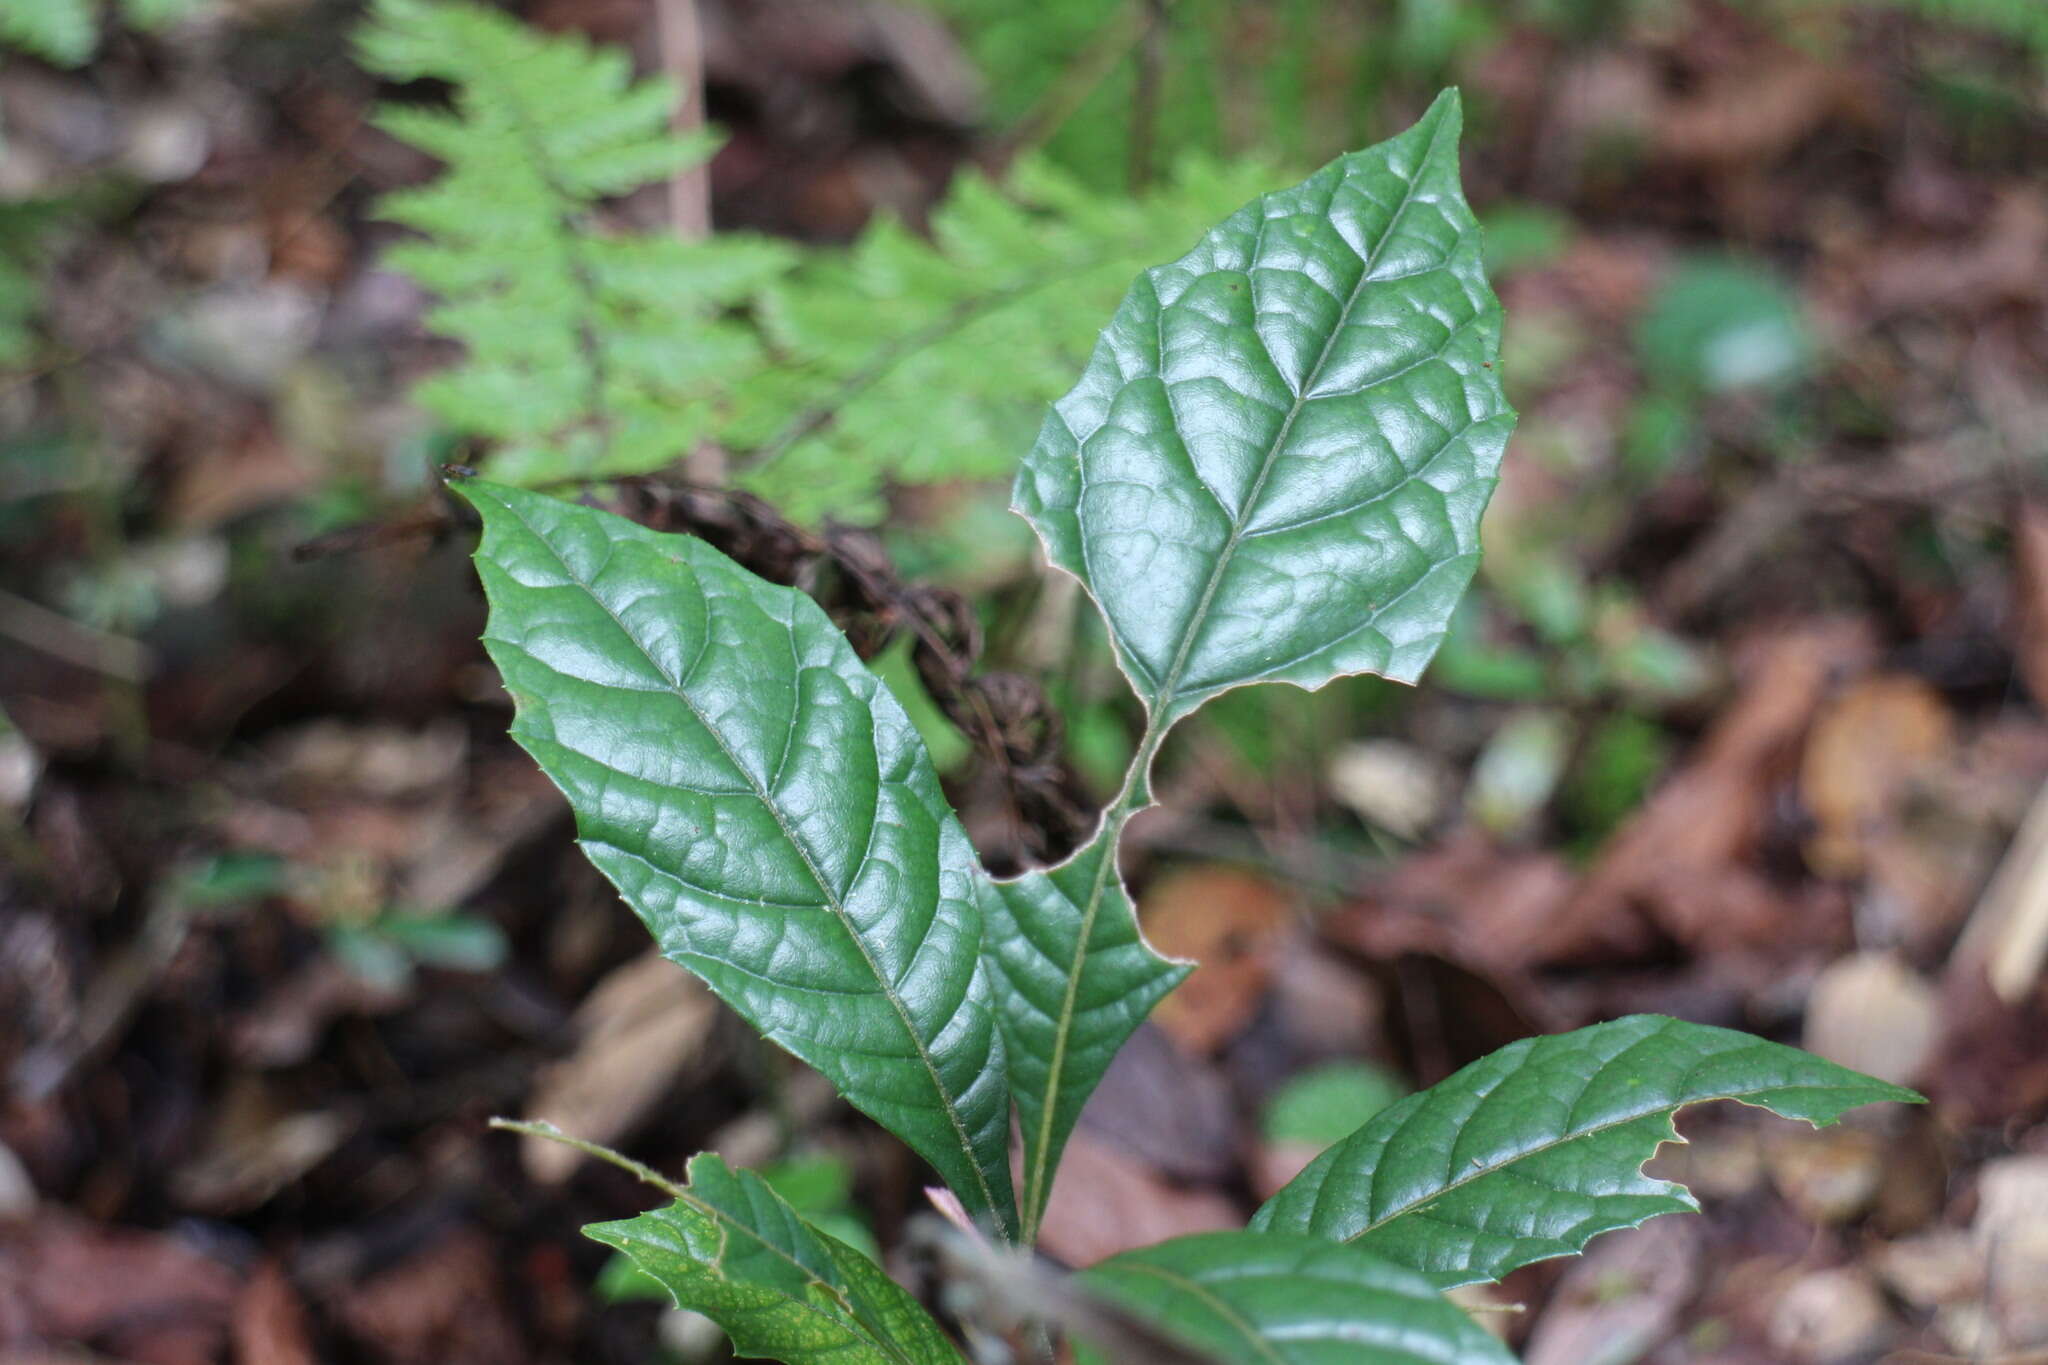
<point>1074,978</point>
<point>1268,1298</point>
<point>1274,465</point>
<point>735,1251</point>
<point>762,803</point>
<point>1272,470</point>
<point>1531,1152</point>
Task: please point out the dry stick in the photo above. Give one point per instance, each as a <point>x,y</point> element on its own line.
<point>1145,101</point>
<point>681,40</point>
<point>60,637</point>
<point>2008,931</point>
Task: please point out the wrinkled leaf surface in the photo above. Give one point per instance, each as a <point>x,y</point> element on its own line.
<point>762,803</point>
<point>1264,1298</point>
<point>735,1251</point>
<point>1535,1150</point>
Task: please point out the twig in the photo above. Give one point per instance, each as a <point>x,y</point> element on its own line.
<point>60,637</point>
<point>681,39</point>
<point>541,1128</point>
<point>1145,100</point>
<point>2008,931</point>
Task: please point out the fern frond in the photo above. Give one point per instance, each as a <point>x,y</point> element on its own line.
<point>67,32</point>
<point>886,349</point>
<point>587,354</point>
<point>826,374</point>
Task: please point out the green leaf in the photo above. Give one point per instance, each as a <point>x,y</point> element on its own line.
<point>1721,324</point>
<point>1533,1151</point>
<point>1268,1298</point>
<point>1074,978</point>
<point>1272,469</point>
<point>62,32</point>
<point>762,803</point>
<point>734,1250</point>
<point>1274,465</point>
<point>459,942</point>
<point>1323,1103</point>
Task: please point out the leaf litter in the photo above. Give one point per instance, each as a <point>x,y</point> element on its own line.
<point>253,1154</point>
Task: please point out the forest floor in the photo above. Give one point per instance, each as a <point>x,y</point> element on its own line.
<point>1751,728</point>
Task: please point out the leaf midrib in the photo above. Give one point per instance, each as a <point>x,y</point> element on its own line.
<point>1668,1110</point>
<point>1159,706</point>
<point>732,1224</point>
<point>825,890</point>
<point>1253,1337</point>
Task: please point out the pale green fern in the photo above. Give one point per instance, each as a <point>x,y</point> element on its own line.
<point>67,32</point>
<point>588,353</point>
<point>825,374</point>
<point>885,353</point>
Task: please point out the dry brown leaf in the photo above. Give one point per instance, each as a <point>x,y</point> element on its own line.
<point>1106,1201</point>
<point>142,1295</point>
<point>1684,858</point>
<point>1623,1298</point>
<point>635,1032</point>
<point>255,1146</point>
<point>1866,746</point>
<point>1756,113</point>
<point>2007,260</point>
<point>1832,1315</point>
<point>270,1321</point>
<point>441,1306</point>
<point>1469,899</point>
<point>1167,1107</point>
<point>2012,1229</point>
<point>1872,1013</point>
<point>1229,921</point>
<point>1945,1266</point>
<point>1830,1175</point>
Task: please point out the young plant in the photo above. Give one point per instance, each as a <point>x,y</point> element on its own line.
<point>1272,470</point>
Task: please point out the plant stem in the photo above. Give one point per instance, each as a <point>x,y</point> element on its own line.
<point>647,1175</point>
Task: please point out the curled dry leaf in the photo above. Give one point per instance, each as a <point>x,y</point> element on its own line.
<point>1106,1202</point>
<point>1622,1299</point>
<point>1229,921</point>
<point>1684,858</point>
<point>645,1021</point>
<point>1865,749</point>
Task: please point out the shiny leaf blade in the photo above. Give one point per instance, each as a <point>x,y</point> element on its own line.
<point>734,1250</point>
<point>1264,1298</point>
<point>1274,465</point>
<point>1073,978</point>
<point>1533,1151</point>
<point>1272,470</point>
<point>762,803</point>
